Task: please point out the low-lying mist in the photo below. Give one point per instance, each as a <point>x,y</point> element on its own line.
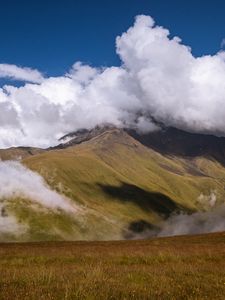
<point>9,223</point>
<point>196,223</point>
<point>210,219</point>
<point>182,223</point>
<point>17,181</point>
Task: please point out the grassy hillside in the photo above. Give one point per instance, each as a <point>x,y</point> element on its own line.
<point>190,267</point>
<point>18,153</point>
<point>122,186</point>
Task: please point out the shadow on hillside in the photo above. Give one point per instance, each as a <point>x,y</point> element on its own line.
<point>148,201</point>
<point>140,229</point>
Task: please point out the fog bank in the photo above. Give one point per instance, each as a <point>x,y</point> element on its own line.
<point>17,181</point>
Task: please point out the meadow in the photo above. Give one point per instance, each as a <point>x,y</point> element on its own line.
<point>185,267</point>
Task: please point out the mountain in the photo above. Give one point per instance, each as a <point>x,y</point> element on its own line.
<point>176,142</point>
<point>124,183</point>
<point>18,153</point>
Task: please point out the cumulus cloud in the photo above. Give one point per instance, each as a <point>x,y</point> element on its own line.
<point>18,181</point>
<point>19,73</point>
<point>175,87</point>
<point>159,79</point>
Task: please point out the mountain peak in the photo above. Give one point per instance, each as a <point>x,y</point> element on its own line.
<point>83,135</point>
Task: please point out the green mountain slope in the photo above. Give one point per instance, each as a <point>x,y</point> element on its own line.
<point>121,187</point>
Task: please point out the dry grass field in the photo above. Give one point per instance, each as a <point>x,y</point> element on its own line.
<point>186,267</point>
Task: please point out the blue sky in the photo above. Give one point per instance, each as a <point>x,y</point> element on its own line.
<point>51,35</point>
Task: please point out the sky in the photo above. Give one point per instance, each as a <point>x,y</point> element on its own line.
<point>77,64</point>
<point>51,35</point>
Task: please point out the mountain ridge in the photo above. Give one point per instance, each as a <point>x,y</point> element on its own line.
<point>167,141</point>
<point>124,189</point>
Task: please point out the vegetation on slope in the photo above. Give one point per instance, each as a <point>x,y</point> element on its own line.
<point>124,186</point>
<point>18,153</point>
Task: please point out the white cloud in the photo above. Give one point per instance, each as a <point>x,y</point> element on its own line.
<point>222,44</point>
<point>19,73</point>
<point>17,181</point>
<point>159,77</point>
<point>82,73</point>
<point>175,87</point>
<point>9,224</point>
<point>199,222</point>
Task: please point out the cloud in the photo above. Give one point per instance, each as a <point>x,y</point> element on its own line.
<point>199,222</point>
<point>211,218</point>
<point>174,87</point>
<point>19,182</point>
<point>9,224</point>
<point>21,74</point>
<point>222,43</point>
<point>159,79</point>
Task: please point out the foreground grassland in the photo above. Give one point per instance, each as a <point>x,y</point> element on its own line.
<point>165,268</point>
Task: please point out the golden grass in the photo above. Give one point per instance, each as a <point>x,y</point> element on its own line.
<point>115,157</point>
<point>165,268</point>
<point>112,160</point>
<point>115,180</point>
